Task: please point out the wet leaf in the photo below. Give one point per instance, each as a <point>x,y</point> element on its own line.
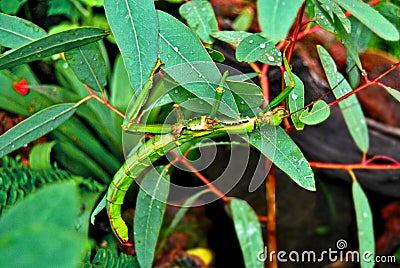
<point>248,231</point>
<point>231,37</point>
<point>276,17</point>
<point>296,100</point>
<point>150,208</point>
<point>319,113</point>
<point>50,45</point>
<point>350,107</point>
<point>135,27</point>
<point>365,227</point>
<point>199,15</point>
<point>15,32</point>
<point>258,48</point>
<point>35,127</point>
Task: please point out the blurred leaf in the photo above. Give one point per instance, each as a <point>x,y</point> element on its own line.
<point>150,208</point>
<point>199,15</point>
<point>25,71</point>
<point>319,113</point>
<point>75,160</point>
<point>39,157</point>
<point>188,63</point>
<point>94,3</point>
<point>135,27</point>
<point>394,93</point>
<point>35,127</point>
<point>50,45</point>
<point>276,17</point>
<point>11,7</point>
<point>365,227</point>
<point>48,216</point>
<point>83,138</point>
<point>15,32</point>
<point>248,231</point>
<point>243,21</point>
<point>120,89</point>
<point>231,37</point>
<point>62,7</point>
<point>370,18</point>
<point>350,106</point>
<point>296,100</point>
<point>258,48</point>
<point>216,55</point>
<point>276,145</point>
<point>88,64</point>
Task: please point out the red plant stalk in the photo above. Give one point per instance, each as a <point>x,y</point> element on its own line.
<point>270,186</point>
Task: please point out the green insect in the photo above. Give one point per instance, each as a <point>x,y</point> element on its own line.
<point>168,137</point>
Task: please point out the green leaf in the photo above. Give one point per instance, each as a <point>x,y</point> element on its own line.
<point>351,47</point>
<point>135,27</point>
<point>82,137</point>
<point>216,55</point>
<point>329,8</point>
<point>35,127</point>
<point>11,7</point>
<point>370,18</point>
<point>48,216</point>
<point>319,113</point>
<point>247,95</point>
<point>296,100</point>
<point>188,63</point>
<point>276,17</point>
<point>364,225</point>
<point>394,93</point>
<point>15,32</point>
<point>248,231</point>
<point>258,48</point>
<point>50,45</point>
<point>150,208</point>
<point>350,106</point>
<point>75,160</point>
<point>231,37</point>
<point>39,157</point>
<point>120,89</point>
<point>88,64</point>
<point>243,21</point>
<point>276,145</point>
<point>199,15</point>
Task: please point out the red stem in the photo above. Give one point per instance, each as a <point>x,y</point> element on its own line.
<point>201,177</point>
<point>103,101</point>
<point>368,83</point>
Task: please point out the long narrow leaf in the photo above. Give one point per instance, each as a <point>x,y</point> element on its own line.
<point>35,126</point>
<point>50,45</point>
<point>350,107</point>
<point>370,18</point>
<point>188,63</point>
<point>135,27</point>
<point>277,16</point>
<point>15,32</point>
<point>296,100</point>
<point>200,16</point>
<point>248,231</point>
<point>364,225</point>
<point>89,65</point>
<point>276,145</point>
<point>150,208</point>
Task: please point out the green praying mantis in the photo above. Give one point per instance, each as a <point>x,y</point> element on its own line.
<point>168,137</point>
